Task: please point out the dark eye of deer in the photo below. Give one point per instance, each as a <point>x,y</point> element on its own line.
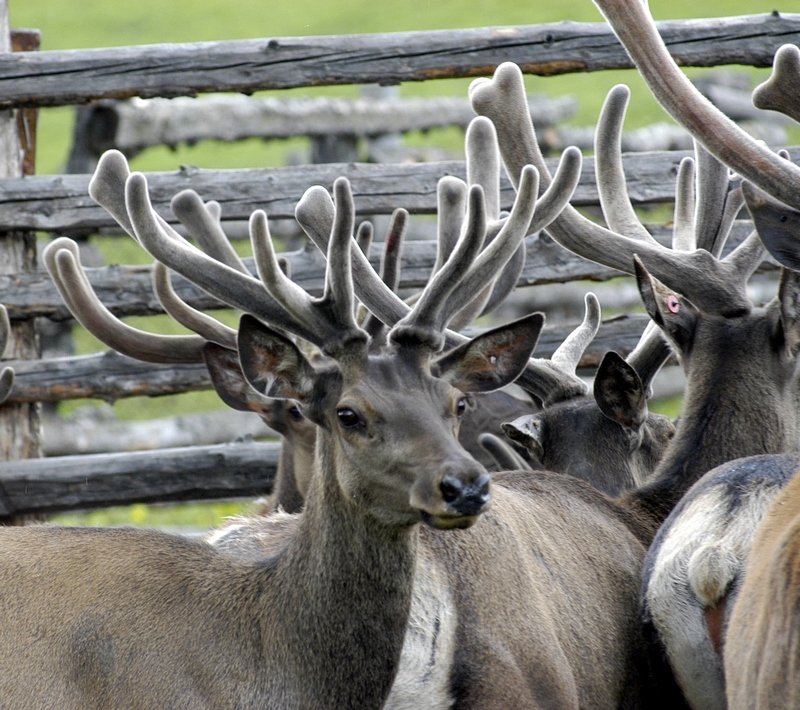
<point>461,407</point>
<point>295,413</point>
<point>348,418</point>
<point>673,304</point>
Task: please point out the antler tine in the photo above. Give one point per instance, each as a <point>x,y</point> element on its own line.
<point>390,268</point>
<point>780,92</point>
<point>107,187</point>
<point>201,323</point>
<point>483,162</point>
<point>554,380</point>
<point>555,199</point>
<point>62,260</point>
<point>503,453</point>
<point>713,183</point>
<point>338,297</point>
<point>425,319</point>
<point>683,236</point>
<point>497,254</point>
<point>314,213</point>
<point>482,168</point>
<point>568,354</point>
<point>364,236</point>
<point>610,176</point>
<point>636,30</point>
<point>328,322</point>
<point>202,222</point>
<point>7,374</point>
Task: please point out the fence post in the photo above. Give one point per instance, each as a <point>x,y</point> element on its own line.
<point>20,434</point>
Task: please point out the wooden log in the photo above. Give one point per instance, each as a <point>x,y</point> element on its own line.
<point>234,470</point>
<point>68,77</point>
<point>61,204</point>
<point>131,126</point>
<point>19,422</point>
<point>95,430</point>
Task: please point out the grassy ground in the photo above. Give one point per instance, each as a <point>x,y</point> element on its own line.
<point>97,23</point>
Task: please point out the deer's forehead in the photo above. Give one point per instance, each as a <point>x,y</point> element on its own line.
<point>392,380</point>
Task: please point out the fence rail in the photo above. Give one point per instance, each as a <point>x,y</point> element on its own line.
<point>68,77</point>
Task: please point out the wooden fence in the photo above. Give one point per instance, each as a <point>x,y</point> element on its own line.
<point>61,205</point>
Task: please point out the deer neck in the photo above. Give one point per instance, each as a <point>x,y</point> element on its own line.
<point>346,582</point>
<point>722,419</point>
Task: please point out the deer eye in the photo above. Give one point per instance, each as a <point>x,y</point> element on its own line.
<point>348,418</point>
<point>295,413</point>
<point>462,405</point>
<point>673,304</point>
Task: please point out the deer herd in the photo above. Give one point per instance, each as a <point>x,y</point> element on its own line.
<point>437,541</point>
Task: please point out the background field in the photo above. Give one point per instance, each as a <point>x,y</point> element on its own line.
<point>98,23</point>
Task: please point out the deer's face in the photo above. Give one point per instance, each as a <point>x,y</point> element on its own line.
<point>395,430</point>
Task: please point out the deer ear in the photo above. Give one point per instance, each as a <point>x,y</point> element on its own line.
<point>230,383</point>
<point>619,392</point>
<point>272,363</point>
<point>674,314</point>
<point>789,297</point>
<point>492,359</point>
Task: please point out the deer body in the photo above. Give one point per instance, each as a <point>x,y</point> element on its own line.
<point>761,644</point>
<point>696,564</point>
<point>518,579</point>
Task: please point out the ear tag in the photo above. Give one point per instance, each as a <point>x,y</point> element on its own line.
<point>673,304</point>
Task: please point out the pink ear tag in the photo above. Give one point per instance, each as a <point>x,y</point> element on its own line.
<point>673,304</point>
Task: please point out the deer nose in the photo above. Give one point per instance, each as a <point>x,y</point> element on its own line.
<point>466,497</point>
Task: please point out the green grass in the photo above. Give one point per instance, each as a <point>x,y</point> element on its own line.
<point>98,23</point>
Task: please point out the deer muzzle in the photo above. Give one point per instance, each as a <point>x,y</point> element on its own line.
<point>455,499</point>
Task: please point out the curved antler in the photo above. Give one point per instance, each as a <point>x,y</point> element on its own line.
<point>62,260</point>
<point>715,285</point>
<point>555,379</point>
<point>634,26</point>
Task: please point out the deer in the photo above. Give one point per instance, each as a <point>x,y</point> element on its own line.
<point>609,438</point>
<point>695,296</point>
<point>389,468</point>
<point>696,565</point>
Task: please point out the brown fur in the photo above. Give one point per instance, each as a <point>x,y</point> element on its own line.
<point>762,643</point>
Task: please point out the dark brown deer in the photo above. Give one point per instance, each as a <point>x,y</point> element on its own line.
<point>608,438</point>
<point>727,346</point>
<point>731,351</point>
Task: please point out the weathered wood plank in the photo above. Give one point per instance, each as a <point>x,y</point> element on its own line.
<point>131,126</point>
<point>241,469</point>
<point>61,203</point>
<point>77,76</point>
